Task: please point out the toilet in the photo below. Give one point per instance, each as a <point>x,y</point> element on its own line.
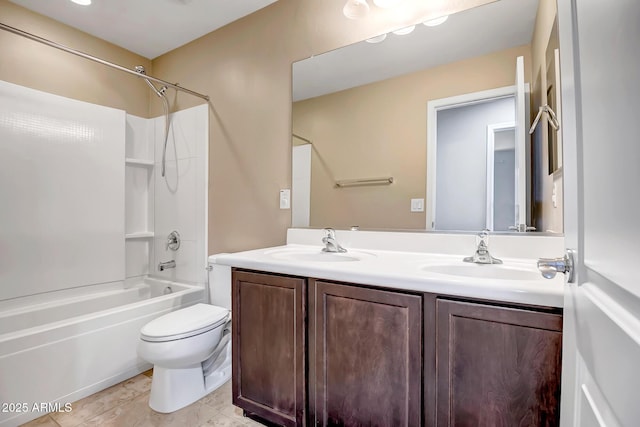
<point>190,348</point>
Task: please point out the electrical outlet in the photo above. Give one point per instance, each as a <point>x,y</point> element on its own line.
<point>285,199</point>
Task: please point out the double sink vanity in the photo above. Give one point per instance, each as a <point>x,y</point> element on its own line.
<point>397,331</point>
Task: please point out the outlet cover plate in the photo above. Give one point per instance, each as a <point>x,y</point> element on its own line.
<point>417,205</point>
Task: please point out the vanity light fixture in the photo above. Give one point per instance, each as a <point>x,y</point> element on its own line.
<point>386,4</point>
<point>356,9</point>
<point>437,21</point>
<point>405,30</point>
<point>377,39</point>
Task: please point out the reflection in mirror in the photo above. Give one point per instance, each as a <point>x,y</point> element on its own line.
<point>360,112</point>
<point>463,185</point>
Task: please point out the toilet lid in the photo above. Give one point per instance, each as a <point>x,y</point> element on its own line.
<point>184,323</point>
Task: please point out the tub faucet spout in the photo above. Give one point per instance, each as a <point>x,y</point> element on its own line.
<point>164,265</point>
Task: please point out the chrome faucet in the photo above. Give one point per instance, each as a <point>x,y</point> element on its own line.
<point>164,265</point>
<point>521,228</point>
<point>482,255</point>
<point>330,242</point>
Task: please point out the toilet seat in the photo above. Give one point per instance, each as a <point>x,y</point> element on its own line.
<point>184,323</point>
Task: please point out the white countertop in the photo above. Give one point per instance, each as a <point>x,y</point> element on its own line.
<point>407,271</point>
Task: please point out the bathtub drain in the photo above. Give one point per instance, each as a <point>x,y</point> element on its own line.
<point>167,290</point>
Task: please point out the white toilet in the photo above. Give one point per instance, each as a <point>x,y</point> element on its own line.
<point>190,349</point>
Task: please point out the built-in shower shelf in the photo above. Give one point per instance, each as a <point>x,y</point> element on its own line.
<point>139,235</point>
<point>139,162</point>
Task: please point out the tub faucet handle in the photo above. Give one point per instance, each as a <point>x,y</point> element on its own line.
<point>173,241</point>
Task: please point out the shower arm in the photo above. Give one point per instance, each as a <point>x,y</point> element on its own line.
<point>165,104</point>
<point>95,59</point>
<point>141,70</point>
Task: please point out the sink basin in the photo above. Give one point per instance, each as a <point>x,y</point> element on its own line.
<point>316,255</point>
<point>484,271</point>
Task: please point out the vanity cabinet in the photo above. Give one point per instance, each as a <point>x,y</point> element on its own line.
<point>497,366</point>
<point>268,346</point>
<point>365,356</point>
<point>323,353</point>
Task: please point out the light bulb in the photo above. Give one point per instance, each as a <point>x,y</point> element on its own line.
<point>82,2</point>
<point>405,30</point>
<point>377,39</point>
<point>356,9</point>
<point>436,22</point>
<point>386,4</point>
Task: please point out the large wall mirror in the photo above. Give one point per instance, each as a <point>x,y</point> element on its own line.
<point>366,119</point>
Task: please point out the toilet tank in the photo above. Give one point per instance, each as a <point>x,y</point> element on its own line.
<point>219,283</point>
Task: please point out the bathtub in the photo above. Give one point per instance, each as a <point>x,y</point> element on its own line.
<point>59,347</point>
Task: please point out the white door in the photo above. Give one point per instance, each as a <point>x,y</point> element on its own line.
<point>501,165</point>
<point>301,185</point>
<point>452,148</point>
<point>522,137</point>
<point>600,66</point>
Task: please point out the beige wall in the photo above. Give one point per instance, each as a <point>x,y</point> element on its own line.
<point>546,216</point>
<point>246,69</point>
<point>28,63</point>
<point>379,130</point>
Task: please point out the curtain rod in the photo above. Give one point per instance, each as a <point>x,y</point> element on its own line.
<point>95,59</point>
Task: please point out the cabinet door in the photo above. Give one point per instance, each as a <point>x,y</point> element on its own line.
<point>497,366</point>
<point>365,357</point>
<point>269,346</point>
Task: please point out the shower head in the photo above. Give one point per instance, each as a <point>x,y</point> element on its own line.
<point>160,92</point>
<point>165,104</point>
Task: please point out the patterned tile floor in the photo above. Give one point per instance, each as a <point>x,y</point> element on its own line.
<point>126,404</point>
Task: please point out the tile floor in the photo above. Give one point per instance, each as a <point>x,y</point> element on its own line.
<point>126,404</point>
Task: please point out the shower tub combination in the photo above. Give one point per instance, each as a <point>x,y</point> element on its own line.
<point>57,346</point>
<point>62,346</point>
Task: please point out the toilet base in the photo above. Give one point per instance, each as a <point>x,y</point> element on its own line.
<point>173,389</point>
<point>221,372</point>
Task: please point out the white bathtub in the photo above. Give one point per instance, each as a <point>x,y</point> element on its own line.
<point>60,347</point>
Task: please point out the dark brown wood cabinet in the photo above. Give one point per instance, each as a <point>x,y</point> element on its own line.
<point>268,346</point>
<point>321,353</point>
<point>365,356</point>
<point>497,366</point>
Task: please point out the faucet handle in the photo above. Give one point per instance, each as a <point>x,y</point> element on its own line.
<point>173,241</point>
<point>482,238</point>
<point>482,255</point>
<point>331,233</point>
<point>522,228</point>
<point>331,244</point>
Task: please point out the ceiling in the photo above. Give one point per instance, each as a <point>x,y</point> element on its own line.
<point>474,32</point>
<point>149,28</point>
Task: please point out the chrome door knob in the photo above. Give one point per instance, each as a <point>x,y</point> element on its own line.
<point>549,267</point>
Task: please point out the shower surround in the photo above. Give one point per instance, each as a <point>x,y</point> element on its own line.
<point>83,224</point>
